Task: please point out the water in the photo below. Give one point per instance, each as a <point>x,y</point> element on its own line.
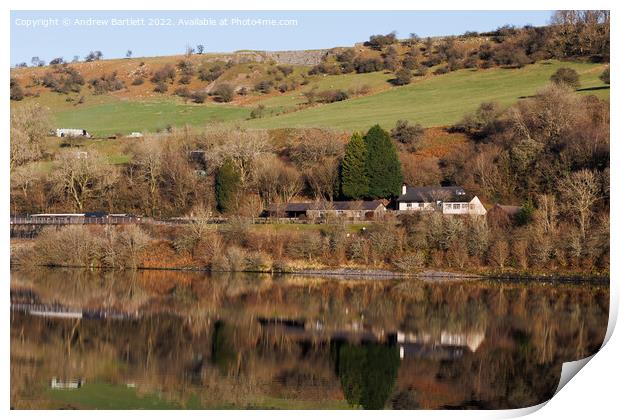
<point>160,339</point>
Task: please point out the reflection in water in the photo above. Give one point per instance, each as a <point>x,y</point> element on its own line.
<point>160,339</point>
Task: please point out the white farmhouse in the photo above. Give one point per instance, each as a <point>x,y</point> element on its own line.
<point>448,200</point>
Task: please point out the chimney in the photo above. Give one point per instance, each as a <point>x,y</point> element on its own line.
<point>404,189</point>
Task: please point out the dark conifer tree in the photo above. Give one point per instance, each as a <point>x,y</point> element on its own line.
<point>383,168</point>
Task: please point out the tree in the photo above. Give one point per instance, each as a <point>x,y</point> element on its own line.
<point>367,373</point>
<point>128,54</point>
<point>243,148</point>
<point>227,183</point>
<point>200,48</point>
<point>276,181</point>
<point>566,76</point>
<point>354,178</point>
<point>82,178</point>
<point>322,178</point>
<point>29,125</point>
<point>580,191</point>
<point>148,164</point>
<point>382,164</point>
<point>37,62</point>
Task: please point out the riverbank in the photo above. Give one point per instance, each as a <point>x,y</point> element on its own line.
<point>330,252</point>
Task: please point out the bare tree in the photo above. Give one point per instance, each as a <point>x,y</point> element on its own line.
<point>82,178</point>
<point>148,160</point>
<point>322,178</point>
<point>276,181</point>
<point>244,148</point>
<point>29,125</point>
<point>580,191</point>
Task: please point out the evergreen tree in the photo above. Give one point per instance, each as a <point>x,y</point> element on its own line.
<point>383,168</point>
<point>226,187</point>
<point>353,175</point>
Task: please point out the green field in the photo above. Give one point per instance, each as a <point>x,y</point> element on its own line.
<point>430,101</point>
<point>118,397</point>
<point>127,116</point>
<point>437,100</point>
<point>110,397</point>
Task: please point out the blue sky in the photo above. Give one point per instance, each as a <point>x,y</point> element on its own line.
<point>314,29</point>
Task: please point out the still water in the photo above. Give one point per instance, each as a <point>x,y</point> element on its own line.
<point>160,339</point>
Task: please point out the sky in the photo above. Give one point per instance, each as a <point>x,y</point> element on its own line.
<point>50,34</point>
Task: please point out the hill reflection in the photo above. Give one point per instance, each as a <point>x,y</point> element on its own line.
<point>247,341</point>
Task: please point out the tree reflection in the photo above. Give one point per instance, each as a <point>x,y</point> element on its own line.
<point>367,373</point>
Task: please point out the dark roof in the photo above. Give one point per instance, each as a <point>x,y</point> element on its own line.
<point>453,194</point>
<point>334,205</point>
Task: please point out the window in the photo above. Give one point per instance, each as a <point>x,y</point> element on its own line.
<point>447,206</point>
<point>421,205</point>
<point>409,205</point>
<point>456,206</point>
<point>472,206</point>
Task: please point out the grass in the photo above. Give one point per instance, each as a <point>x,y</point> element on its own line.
<point>127,116</point>
<point>118,397</point>
<point>110,397</point>
<point>436,100</point>
<point>430,101</point>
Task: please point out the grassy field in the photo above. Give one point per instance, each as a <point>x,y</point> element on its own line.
<point>127,116</point>
<point>437,100</point>
<point>110,397</point>
<point>116,397</point>
<point>430,101</point>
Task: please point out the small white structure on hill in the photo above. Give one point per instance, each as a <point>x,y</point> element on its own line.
<point>72,132</point>
<point>448,200</point>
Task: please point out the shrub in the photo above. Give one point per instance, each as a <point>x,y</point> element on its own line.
<point>198,96</point>
<point>164,74</point>
<point>377,42</point>
<point>160,87</point>
<point>183,92</point>
<point>332,95</point>
<point>403,77</point>
<point>224,92</point>
<point>605,76</point>
<point>17,93</point>
<point>185,79</point>
<point>410,136</point>
<point>137,81</point>
<point>566,76</point>
<point>258,112</point>
<point>106,83</point>
<point>285,70</point>
<point>264,86</point>
<point>206,74</point>
<point>368,65</point>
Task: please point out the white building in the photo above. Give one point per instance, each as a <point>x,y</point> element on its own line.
<point>448,200</point>
<point>72,132</point>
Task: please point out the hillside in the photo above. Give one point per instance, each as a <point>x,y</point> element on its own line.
<point>433,82</point>
<point>437,100</point>
<point>432,100</point>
